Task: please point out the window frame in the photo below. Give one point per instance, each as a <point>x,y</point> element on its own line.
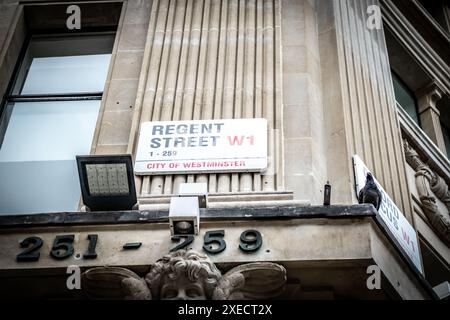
<point>10,97</point>
<point>25,29</point>
<point>85,43</point>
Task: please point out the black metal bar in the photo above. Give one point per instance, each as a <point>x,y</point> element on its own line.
<point>132,246</point>
<point>327,195</point>
<point>55,97</point>
<point>210,214</point>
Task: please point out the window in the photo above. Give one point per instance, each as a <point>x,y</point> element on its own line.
<point>49,118</point>
<point>405,98</point>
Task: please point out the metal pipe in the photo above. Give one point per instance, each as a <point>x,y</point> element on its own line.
<point>55,97</point>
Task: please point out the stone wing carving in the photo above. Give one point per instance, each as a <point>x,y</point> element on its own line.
<point>259,280</point>
<point>176,275</point>
<point>114,283</point>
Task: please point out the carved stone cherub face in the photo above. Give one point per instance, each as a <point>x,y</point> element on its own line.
<point>182,289</point>
<point>183,275</point>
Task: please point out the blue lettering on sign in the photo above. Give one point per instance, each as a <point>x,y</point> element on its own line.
<point>203,140</point>
<point>184,142</point>
<point>155,143</point>
<point>184,129</point>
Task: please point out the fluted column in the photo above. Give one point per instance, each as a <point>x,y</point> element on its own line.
<point>358,89</point>
<point>212,59</point>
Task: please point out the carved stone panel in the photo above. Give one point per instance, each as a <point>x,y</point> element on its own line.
<point>186,275</point>
<point>431,187</point>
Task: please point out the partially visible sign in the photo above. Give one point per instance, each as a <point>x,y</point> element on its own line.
<point>403,232</point>
<point>232,145</point>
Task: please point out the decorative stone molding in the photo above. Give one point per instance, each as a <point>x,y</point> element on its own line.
<point>429,112</point>
<point>186,275</point>
<point>429,186</point>
<point>429,96</point>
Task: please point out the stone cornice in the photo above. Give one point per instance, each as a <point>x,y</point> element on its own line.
<point>437,37</point>
<point>415,44</point>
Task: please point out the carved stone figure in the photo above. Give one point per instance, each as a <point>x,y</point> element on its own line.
<point>429,186</point>
<point>186,275</point>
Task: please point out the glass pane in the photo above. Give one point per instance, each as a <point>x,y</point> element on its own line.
<point>405,99</point>
<point>37,157</point>
<point>69,74</point>
<point>40,131</point>
<point>39,186</point>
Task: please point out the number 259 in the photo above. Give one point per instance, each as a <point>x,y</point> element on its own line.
<point>214,243</point>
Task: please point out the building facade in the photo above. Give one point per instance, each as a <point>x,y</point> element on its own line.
<point>345,86</point>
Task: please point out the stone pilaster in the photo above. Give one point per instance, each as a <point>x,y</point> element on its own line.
<point>359,103</point>
<point>429,113</point>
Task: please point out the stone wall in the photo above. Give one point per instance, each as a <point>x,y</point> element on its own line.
<point>118,105</point>
<point>311,68</point>
<point>305,149</point>
<point>211,60</point>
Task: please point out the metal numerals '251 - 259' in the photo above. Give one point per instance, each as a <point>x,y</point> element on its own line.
<point>62,248</point>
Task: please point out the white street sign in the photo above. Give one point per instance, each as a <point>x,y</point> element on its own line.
<point>232,145</point>
<point>403,232</point>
